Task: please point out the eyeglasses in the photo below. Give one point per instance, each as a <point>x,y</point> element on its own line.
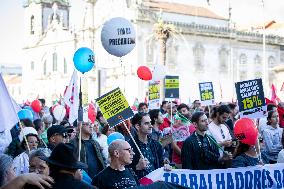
<point>128,149</point>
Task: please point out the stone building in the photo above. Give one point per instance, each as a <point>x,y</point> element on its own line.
<point>203,47</point>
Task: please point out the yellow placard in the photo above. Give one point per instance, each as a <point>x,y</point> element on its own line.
<point>172,83</point>
<point>112,103</point>
<point>207,95</point>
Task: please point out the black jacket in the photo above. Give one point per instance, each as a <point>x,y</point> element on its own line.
<point>194,156</point>
<point>157,151</point>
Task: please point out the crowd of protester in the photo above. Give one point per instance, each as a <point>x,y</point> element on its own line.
<point>45,153</point>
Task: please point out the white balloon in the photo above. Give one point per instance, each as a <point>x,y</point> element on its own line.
<point>118,36</point>
<point>159,72</point>
<point>59,112</point>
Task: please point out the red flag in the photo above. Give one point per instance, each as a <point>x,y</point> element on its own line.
<point>280,113</point>
<point>274,97</point>
<point>92,113</point>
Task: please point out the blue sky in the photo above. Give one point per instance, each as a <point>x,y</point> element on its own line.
<point>244,12</point>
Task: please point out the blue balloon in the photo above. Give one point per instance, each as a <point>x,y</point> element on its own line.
<point>114,136</point>
<point>35,115</point>
<point>25,114</point>
<point>84,59</point>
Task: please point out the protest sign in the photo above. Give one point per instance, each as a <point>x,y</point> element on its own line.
<point>114,107</point>
<point>206,93</point>
<point>171,87</point>
<point>154,95</point>
<point>251,99</point>
<point>267,176</point>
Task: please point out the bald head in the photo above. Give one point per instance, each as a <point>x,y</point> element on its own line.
<point>116,146</point>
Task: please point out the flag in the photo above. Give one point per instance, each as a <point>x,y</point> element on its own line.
<point>8,108</point>
<point>274,97</point>
<point>71,97</point>
<point>92,112</point>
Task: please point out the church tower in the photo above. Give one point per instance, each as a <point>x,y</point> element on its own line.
<point>48,48</point>
<point>41,14</point>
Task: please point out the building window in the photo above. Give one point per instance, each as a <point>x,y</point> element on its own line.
<point>44,68</point>
<point>243,59</point>
<point>198,53</point>
<point>65,66</point>
<point>223,59</point>
<point>32,65</point>
<point>32,25</point>
<point>54,61</point>
<point>271,62</point>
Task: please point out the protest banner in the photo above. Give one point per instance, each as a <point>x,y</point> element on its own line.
<point>154,95</point>
<point>267,176</point>
<point>114,107</point>
<point>206,93</point>
<point>251,99</point>
<point>171,87</point>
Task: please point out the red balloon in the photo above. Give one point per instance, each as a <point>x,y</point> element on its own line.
<point>246,131</point>
<point>36,106</point>
<point>144,73</point>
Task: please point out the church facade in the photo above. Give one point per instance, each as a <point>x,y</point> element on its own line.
<point>201,46</point>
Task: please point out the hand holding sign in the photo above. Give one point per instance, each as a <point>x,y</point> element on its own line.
<point>118,36</point>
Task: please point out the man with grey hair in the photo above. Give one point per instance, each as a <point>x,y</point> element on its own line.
<point>121,154</point>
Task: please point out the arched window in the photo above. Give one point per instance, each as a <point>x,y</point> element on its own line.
<point>54,62</point>
<point>65,66</point>
<point>32,25</point>
<point>44,68</point>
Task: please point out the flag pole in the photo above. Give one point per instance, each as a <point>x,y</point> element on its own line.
<point>80,119</point>
<point>25,138</point>
<point>123,122</point>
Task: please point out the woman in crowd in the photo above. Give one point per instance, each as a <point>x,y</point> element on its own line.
<point>272,136</point>
<point>37,165</point>
<point>245,155</point>
<point>21,162</point>
<point>8,179</point>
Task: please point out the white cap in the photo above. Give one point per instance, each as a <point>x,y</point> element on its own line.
<point>26,131</point>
